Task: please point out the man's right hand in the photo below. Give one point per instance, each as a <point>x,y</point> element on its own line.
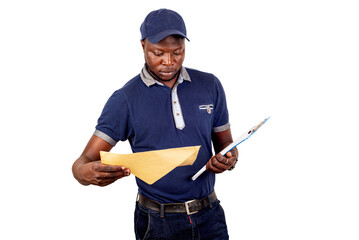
<point>100,174</point>
<point>87,169</point>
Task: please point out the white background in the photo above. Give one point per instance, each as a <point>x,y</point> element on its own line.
<point>296,61</point>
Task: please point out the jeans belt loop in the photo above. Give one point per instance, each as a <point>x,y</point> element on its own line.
<point>162,210</point>
<point>210,202</point>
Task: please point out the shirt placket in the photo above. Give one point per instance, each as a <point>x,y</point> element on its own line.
<point>176,106</point>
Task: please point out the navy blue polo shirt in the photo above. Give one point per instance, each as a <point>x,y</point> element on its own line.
<point>152,116</point>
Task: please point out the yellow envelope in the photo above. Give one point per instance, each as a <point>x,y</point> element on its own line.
<point>152,165</point>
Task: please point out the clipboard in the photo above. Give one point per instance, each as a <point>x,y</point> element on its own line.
<point>241,139</point>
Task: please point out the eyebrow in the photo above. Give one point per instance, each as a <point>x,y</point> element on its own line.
<point>162,50</point>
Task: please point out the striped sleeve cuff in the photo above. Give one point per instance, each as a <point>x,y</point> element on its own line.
<point>105,137</point>
<point>222,128</point>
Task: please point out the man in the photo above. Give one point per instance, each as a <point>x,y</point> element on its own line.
<point>166,106</point>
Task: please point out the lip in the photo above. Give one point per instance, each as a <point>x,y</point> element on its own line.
<point>167,73</point>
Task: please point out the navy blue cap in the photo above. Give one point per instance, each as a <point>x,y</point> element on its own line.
<point>162,23</point>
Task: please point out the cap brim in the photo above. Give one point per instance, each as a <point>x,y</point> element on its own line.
<point>159,36</point>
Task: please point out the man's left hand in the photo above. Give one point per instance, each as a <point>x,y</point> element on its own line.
<point>220,163</point>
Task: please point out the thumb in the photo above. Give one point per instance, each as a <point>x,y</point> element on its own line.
<point>229,154</point>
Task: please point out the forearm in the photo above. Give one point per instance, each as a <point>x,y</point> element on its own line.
<point>220,163</point>
<point>90,154</point>
<point>222,140</point>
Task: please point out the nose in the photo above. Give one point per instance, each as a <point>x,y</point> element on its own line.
<point>168,59</point>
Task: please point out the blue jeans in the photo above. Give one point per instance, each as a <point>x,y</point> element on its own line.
<point>208,224</point>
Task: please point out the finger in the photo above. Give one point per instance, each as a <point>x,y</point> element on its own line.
<point>108,168</point>
<point>219,167</point>
<point>106,181</point>
<point>220,162</point>
<point>117,174</point>
<point>230,160</point>
<point>224,162</point>
<point>105,175</point>
<point>222,159</point>
<point>212,166</point>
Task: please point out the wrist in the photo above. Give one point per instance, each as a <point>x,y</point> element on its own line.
<point>78,175</point>
<point>233,166</point>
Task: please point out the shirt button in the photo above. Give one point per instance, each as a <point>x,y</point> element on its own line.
<point>178,114</point>
<point>174,102</point>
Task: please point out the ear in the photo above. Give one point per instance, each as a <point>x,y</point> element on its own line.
<point>143,45</point>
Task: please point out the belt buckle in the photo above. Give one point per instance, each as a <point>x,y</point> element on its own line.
<point>187,207</point>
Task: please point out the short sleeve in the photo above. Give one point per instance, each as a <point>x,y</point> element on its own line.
<point>221,118</point>
<point>114,124</point>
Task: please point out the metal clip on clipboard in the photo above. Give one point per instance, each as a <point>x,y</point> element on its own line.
<point>241,139</point>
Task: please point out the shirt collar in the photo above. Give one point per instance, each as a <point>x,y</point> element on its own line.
<point>149,80</point>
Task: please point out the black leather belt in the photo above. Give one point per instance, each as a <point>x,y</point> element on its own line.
<point>189,207</point>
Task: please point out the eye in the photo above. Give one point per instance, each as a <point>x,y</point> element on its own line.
<point>177,52</point>
<point>157,53</point>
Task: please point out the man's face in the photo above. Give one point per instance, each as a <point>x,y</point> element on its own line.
<point>164,59</point>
